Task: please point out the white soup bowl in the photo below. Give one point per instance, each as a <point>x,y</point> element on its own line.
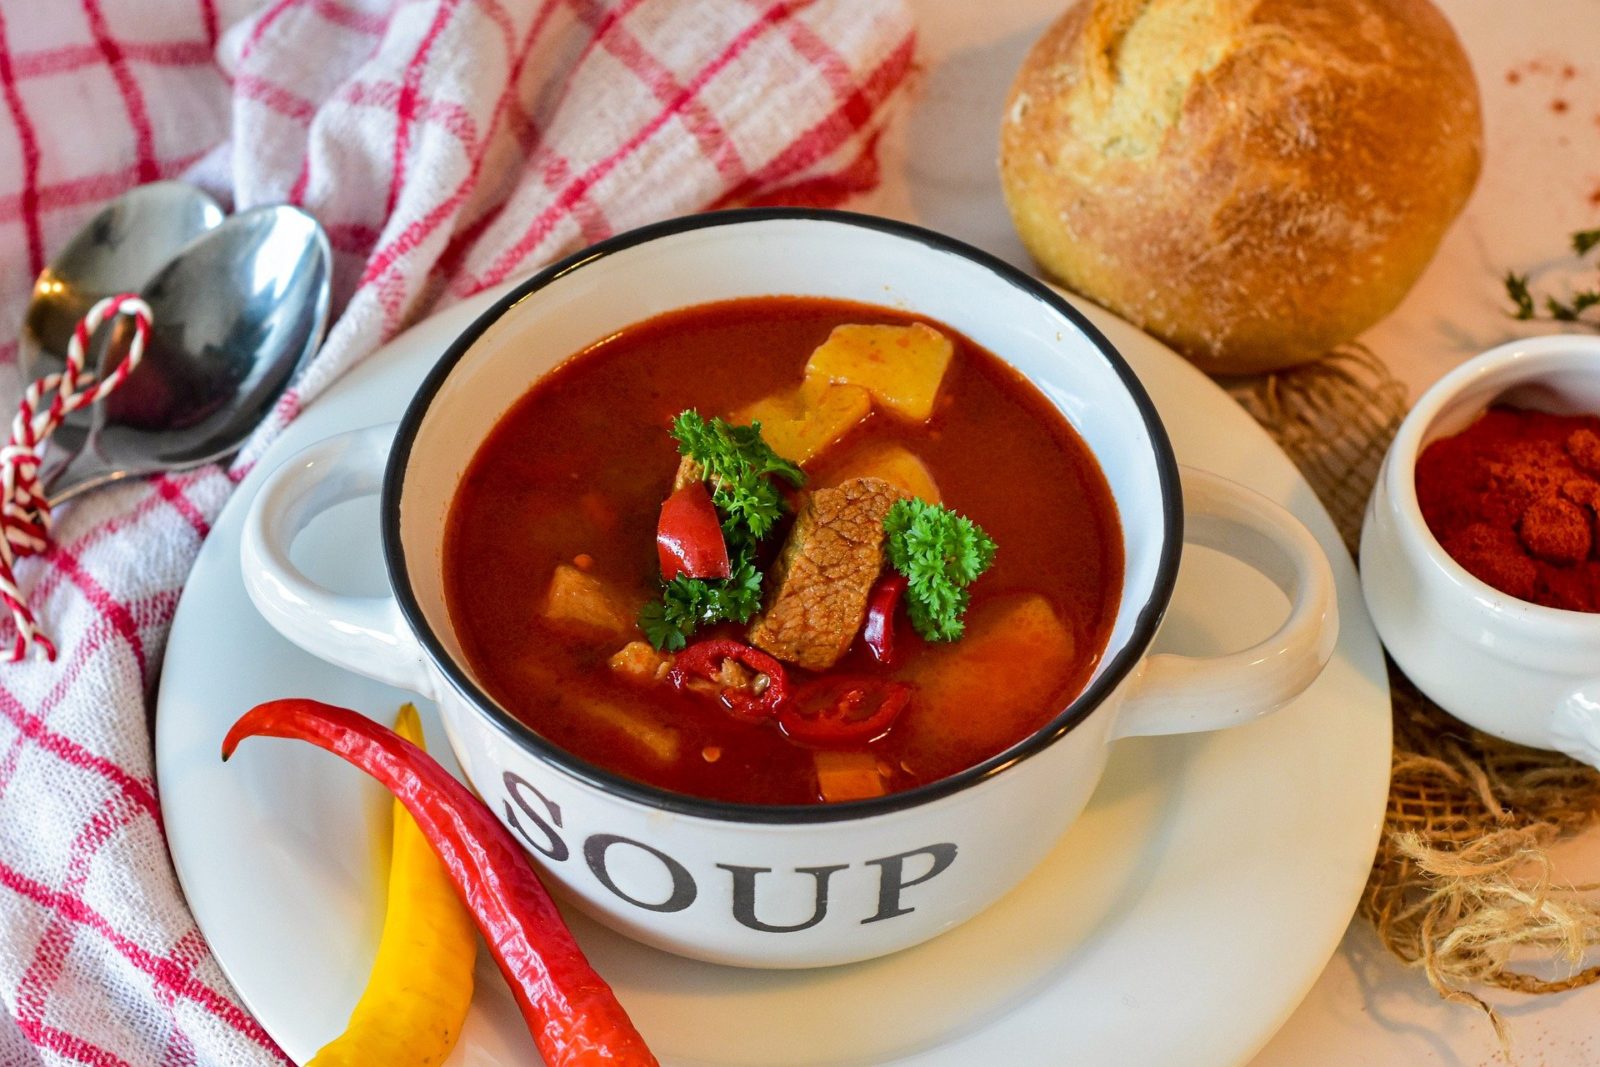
<point>787,886</point>
<point>1521,671</point>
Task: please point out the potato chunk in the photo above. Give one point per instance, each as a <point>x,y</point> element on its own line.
<point>625,722</point>
<point>585,601</point>
<point>661,743</point>
<point>1012,657</point>
<point>801,424</point>
<point>895,464</point>
<point>901,366</point>
<point>639,663</point>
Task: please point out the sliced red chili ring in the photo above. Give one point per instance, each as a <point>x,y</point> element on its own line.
<point>703,659</point>
<point>844,710</point>
<point>878,632</point>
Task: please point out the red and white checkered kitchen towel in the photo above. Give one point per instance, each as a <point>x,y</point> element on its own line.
<point>446,145</point>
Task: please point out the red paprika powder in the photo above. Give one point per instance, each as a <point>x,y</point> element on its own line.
<point>1514,498</point>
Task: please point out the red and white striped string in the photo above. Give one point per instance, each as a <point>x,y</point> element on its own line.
<point>24,507</point>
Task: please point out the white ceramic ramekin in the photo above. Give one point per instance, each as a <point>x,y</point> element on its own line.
<point>1521,671</point>
<point>787,886</point>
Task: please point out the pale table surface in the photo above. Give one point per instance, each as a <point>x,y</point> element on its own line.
<point>1538,65</point>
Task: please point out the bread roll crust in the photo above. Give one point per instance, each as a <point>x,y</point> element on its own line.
<point>1254,181</point>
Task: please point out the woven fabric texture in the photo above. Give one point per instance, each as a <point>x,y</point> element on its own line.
<point>446,146</point>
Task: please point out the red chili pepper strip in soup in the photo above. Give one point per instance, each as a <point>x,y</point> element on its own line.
<point>573,1015</point>
<point>689,536</point>
<point>844,710</point>
<point>704,659</point>
<point>877,633</point>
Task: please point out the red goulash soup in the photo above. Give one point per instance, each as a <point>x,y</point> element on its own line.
<point>550,554</point>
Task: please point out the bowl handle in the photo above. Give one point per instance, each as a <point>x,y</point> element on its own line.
<point>1575,726</point>
<point>364,634</point>
<point>1180,694</point>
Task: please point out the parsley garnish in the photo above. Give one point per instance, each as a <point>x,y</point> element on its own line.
<point>737,463</point>
<point>1525,304</point>
<point>941,553</point>
<point>689,603</point>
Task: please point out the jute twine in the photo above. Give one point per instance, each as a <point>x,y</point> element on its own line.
<point>1463,876</point>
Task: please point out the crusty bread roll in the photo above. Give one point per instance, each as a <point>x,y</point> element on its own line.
<point>1254,181</point>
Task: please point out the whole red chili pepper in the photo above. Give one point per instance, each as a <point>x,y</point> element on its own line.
<point>844,710</point>
<point>878,631</point>
<point>573,1015</point>
<point>704,659</point>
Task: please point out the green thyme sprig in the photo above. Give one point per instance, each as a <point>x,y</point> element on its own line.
<point>1525,304</point>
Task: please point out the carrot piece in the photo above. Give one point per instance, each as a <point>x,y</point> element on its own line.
<point>847,775</point>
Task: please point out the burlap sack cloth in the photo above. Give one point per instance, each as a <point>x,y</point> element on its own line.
<point>1462,876</point>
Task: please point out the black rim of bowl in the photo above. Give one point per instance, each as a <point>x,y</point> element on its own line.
<point>1110,676</point>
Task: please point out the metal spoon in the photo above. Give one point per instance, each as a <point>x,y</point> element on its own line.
<point>118,250</point>
<point>236,313</point>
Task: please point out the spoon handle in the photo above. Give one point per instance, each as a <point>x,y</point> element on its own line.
<point>65,475</point>
<point>65,447</point>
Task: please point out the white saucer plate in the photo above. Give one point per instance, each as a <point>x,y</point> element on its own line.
<point>1178,921</point>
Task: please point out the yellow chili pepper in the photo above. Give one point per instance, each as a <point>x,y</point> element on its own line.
<point>421,983</point>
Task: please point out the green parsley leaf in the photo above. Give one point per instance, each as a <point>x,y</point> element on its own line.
<point>740,467</point>
<point>664,624</point>
<point>737,597</point>
<point>686,604</point>
<point>1584,240</point>
<point>941,553</point>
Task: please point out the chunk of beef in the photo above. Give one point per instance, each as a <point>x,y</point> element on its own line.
<point>689,472</point>
<point>820,583</point>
